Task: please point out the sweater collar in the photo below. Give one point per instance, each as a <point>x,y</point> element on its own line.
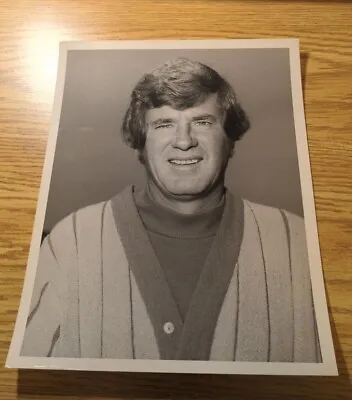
<point>164,221</point>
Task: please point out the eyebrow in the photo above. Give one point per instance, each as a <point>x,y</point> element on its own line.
<point>202,117</point>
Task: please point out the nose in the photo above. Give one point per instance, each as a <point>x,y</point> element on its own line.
<point>184,139</point>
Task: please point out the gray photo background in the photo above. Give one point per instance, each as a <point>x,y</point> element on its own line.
<point>92,163</point>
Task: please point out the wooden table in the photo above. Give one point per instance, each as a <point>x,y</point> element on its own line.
<point>30,31</point>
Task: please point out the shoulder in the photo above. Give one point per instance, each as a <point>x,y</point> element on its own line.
<point>275,224</point>
<point>273,215</point>
<point>88,213</point>
<point>279,227</point>
<point>79,225</point>
<point>86,221</point>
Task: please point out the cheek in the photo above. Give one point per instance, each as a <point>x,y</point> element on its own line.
<point>219,148</point>
<point>149,149</point>
<point>153,151</point>
<point>154,143</point>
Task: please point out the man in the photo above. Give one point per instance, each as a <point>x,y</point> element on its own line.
<point>181,268</point>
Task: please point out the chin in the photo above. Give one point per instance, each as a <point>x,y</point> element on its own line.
<point>185,193</point>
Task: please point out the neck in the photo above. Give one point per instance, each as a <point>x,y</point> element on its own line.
<point>188,206</point>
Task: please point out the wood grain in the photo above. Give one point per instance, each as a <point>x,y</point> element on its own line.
<point>29,34</point>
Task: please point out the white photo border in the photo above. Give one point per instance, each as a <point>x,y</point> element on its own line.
<point>328,365</point>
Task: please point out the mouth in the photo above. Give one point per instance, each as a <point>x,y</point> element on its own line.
<point>188,161</point>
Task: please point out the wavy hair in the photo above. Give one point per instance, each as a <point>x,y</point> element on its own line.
<point>181,84</point>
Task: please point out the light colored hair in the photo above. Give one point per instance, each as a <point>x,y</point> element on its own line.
<point>181,84</point>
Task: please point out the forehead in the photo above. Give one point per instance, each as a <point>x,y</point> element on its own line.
<point>208,107</point>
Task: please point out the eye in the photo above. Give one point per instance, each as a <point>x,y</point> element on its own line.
<point>203,122</point>
<point>164,126</point>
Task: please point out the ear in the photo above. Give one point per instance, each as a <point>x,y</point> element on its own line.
<point>140,155</point>
<point>231,145</point>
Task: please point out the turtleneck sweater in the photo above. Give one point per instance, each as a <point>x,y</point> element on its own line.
<point>181,243</point>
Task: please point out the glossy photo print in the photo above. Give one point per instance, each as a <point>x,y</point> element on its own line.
<point>176,227</point>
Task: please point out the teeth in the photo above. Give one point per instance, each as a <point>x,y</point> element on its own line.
<point>185,162</point>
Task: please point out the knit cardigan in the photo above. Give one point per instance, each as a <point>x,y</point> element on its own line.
<point>93,293</point>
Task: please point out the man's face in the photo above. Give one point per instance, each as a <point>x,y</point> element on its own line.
<point>186,152</point>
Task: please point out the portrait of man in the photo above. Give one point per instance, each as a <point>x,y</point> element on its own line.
<point>179,267</point>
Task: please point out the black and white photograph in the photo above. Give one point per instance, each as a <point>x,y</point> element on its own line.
<point>176,229</point>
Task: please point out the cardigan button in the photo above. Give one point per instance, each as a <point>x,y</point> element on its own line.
<point>169,328</point>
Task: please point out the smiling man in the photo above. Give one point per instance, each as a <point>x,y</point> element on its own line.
<point>180,269</point>
<point>186,153</point>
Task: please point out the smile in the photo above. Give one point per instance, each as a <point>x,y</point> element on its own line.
<point>191,161</point>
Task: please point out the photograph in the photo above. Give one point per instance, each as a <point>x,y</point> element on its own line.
<point>175,228</point>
